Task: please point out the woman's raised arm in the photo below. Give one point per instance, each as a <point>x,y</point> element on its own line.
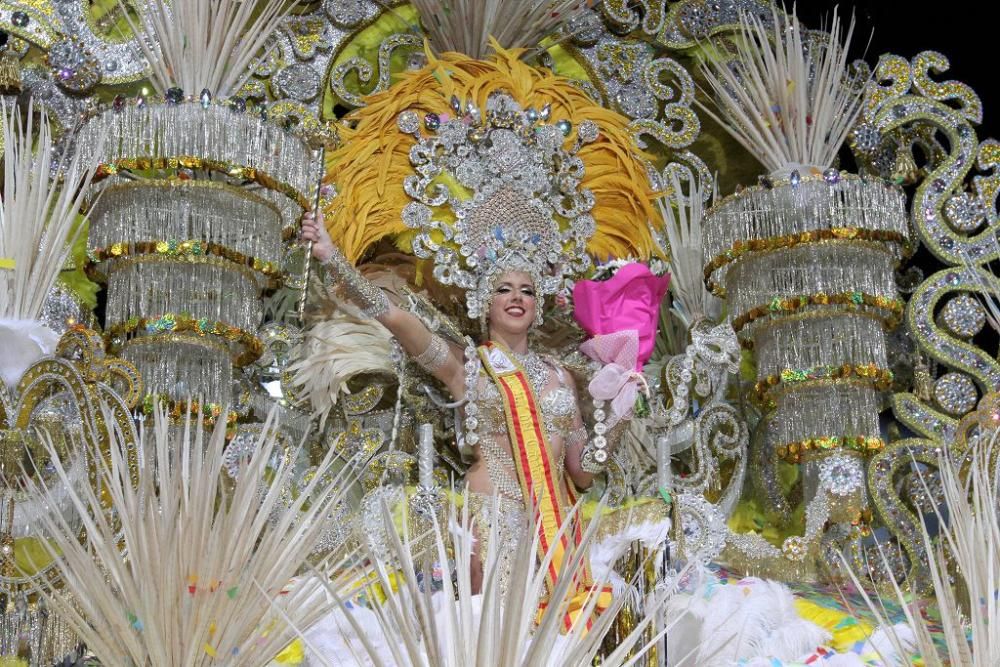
<point>442,360</point>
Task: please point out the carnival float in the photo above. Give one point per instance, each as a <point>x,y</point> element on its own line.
<point>469,332</point>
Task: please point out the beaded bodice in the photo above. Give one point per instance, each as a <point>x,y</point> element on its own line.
<point>558,405</point>
<point>557,401</point>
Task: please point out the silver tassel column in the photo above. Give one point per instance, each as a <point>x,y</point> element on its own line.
<point>189,242</point>
<point>807,267</point>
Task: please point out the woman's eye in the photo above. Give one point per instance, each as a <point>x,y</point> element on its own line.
<point>528,292</point>
<point>503,290</point>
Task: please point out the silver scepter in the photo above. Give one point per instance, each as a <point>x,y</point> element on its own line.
<point>301,307</point>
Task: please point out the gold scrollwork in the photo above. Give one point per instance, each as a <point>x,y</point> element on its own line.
<point>905,109</point>
<point>906,526</point>
<point>623,15</point>
<point>94,395</point>
<point>364,72</point>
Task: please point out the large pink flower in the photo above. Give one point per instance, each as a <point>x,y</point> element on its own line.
<point>621,315</point>
<point>630,300</point>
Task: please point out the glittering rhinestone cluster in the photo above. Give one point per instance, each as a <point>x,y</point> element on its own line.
<point>527,210</point>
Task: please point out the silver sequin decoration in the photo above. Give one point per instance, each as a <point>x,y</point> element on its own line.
<point>956,393</point>
<point>963,316</point>
<point>300,82</point>
<point>965,212</point>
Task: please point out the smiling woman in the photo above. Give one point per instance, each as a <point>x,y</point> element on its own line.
<point>503,181</point>
<point>513,309</point>
<point>505,388</point>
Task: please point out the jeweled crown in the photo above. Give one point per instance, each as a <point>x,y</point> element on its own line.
<point>498,187</point>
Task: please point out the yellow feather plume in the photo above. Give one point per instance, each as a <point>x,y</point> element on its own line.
<point>370,166</point>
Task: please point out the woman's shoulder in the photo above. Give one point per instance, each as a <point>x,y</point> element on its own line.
<point>559,367</point>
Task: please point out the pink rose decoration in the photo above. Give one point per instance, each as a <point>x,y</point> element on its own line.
<point>621,315</point>
<point>629,300</point>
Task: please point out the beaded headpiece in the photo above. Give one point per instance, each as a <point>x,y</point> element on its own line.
<point>522,178</point>
<point>488,166</point>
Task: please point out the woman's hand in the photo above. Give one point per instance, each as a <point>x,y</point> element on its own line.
<point>314,230</point>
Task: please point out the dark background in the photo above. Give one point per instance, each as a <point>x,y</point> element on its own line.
<point>961,30</point>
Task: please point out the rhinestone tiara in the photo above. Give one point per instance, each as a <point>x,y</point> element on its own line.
<point>498,187</point>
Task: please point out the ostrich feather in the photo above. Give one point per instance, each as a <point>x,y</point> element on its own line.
<point>204,44</point>
<point>788,99</point>
<point>683,231</point>
<point>454,628</point>
<point>209,561</point>
<point>336,349</point>
<point>729,624</point>
<point>38,215</point>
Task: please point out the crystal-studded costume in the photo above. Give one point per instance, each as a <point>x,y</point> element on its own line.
<point>560,418</point>
<point>562,426</point>
<point>492,169</point>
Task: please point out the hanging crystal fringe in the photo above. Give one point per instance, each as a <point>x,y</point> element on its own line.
<point>211,287</point>
<point>30,624</point>
<point>830,268</point>
<point>182,367</point>
<point>223,149</point>
<point>822,340</point>
<point>208,211</point>
<point>761,213</point>
<point>791,241</point>
<point>833,410</point>
<point>218,134</point>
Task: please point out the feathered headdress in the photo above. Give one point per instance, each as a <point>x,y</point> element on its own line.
<point>483,165</point>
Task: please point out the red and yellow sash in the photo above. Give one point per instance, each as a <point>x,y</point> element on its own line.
<point>542,485</point>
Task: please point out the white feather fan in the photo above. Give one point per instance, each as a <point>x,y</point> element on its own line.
<point>787,98</point>
<point>204,44</point>
<point>180,565</point>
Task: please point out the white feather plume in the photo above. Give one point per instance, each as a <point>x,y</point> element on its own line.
<point>38,214</point>
<point>727,624</point>
<point>204,44</point>
<point>466,26</point>
<point>787,98</point>
<point>967,553</point>
<point>335,350</point>
<point>455,628</point>
<point>209,566</point>
<point>682,215</point>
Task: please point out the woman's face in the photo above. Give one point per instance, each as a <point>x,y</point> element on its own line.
<point>512,310</point>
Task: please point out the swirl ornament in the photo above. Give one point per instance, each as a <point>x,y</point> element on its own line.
<point>625,18</point>
<point>887,467</point>
<point>954,216</point>
<point>702,427</point>
<point>78,395</point>
<point>364,72</point>
<point>953,222</point>
<point>656,92</point>
<point>52,24</point>
<point>691,21</point>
